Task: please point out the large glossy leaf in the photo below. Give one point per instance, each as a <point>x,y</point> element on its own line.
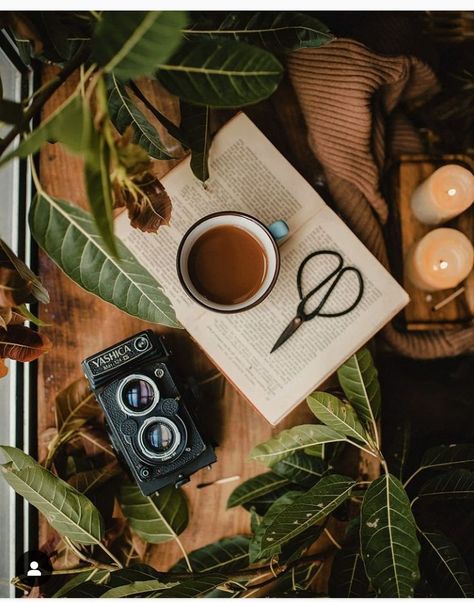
<point>72,514</point>
<point>70,238</point>
<point>68,124</point>
<point>348,578</point>
<point>261,504</point>
<point>156,518</point>
<point>300,468</point>
<point>455,484</point>
<point>134,43</point>
<point>125,114</point>
<point>228,74</point>
<point>297,438</point>
<point>255,487</point>
<point>195,122</point>
<point>443,566</point>
<point>135,581</point>
<point>338,415</point>
<point>23,344</point>
<point>9,260</point>
<point>389,544</point>
<point>275,31</point>
<point>359,380</point>
<point>442,457</point>
<point>227,555</point>
<point>307,510</point>
<point>257,549</point>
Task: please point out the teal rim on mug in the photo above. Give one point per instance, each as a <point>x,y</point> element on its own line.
<point>268,237</point>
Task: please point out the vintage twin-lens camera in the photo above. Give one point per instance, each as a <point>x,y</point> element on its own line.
<point>146,417</point>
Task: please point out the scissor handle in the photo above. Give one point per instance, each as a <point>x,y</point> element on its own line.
<point>339,272</point>
<point>299,276</point>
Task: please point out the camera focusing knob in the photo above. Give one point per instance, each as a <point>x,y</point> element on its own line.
<point>159,372</point>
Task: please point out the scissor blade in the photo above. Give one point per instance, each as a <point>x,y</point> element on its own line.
<point>286,334</point>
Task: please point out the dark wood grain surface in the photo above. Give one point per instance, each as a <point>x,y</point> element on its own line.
<point>82,324</point>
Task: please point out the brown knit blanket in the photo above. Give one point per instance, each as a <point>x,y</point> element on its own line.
<point>351,97</point>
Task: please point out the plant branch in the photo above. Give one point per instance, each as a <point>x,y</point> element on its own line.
<point>48,90</point>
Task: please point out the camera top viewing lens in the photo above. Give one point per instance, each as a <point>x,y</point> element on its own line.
<point>138,394</point>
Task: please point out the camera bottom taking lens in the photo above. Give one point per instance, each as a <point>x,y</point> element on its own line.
<point>160,438</point>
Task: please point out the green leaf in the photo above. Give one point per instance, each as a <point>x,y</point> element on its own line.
<point>99,188</point>
<point>348,578</point>
<point>228,74</point>
<point>455,484</point>
<point>197,587</point>
<point>17,457</point>
<point>34,283</point>
<point>262,503</point>
<point>226,555</point>
<point>256,544</point>
<point>69,124</point>
<point>156,518</point>
<point>338,415</point>
<point>299,437</point>
<point>359,381</point>
<point>134,580</point>
<point>72,514</point>
<point>10,112</point>
<point>195,122</point>
<point>254,488</point>
<point>300,468</point>
<point>124,114</point>
<point>28,315</point>
<point>134,43</point>
<point>389,544</point>
<point>444,566</point>
<point>88,576</point>
<point>442,457</point>
<point>275,31</point>
<point>307,510</point>
<point>69,236</point>
<point>88,480</point>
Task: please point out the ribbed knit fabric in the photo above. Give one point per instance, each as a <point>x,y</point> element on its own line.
<point>350,97</point>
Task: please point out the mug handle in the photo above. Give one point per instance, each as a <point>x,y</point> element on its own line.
<point>279,230</point>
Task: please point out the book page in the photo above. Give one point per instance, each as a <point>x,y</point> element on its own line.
<point>248,174</point>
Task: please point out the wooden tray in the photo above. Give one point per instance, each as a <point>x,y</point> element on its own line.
<point>419,313</point>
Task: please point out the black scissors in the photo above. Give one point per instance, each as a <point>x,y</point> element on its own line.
<point>335,275</point>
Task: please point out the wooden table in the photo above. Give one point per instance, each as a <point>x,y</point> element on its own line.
<point>82,324</point>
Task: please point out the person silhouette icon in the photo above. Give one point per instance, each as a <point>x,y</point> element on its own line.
<point>34,570</point>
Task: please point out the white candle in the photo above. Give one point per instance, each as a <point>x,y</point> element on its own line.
<point>446,193</point>
<point>441,259</point>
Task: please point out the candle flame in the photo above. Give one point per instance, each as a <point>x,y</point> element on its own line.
<point>452,191</point>
<point>443,264</point>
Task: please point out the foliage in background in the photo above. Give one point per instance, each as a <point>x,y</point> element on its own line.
<point>205,59</point>
<point>393,542</point>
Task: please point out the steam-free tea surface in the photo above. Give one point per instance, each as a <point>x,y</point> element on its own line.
<point>227,265</point>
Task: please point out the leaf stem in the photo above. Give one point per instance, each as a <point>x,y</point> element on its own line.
<point>109,553</point>
<point>410,478</point>
<point>44,95</point>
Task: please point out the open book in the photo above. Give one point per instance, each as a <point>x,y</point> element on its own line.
<point>248,174</point>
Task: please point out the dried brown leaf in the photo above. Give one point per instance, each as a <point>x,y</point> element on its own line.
<point>151,208</point>
<point>75,406</point>
<point>23,344</point>
<point>5,317</point>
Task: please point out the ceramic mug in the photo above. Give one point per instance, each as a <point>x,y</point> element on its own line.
<point>267,236</point>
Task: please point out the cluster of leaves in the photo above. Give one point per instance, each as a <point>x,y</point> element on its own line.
<point>19,286</point>
<point>77,486</point>
<point>392,547</point>
<point>205,60</point>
